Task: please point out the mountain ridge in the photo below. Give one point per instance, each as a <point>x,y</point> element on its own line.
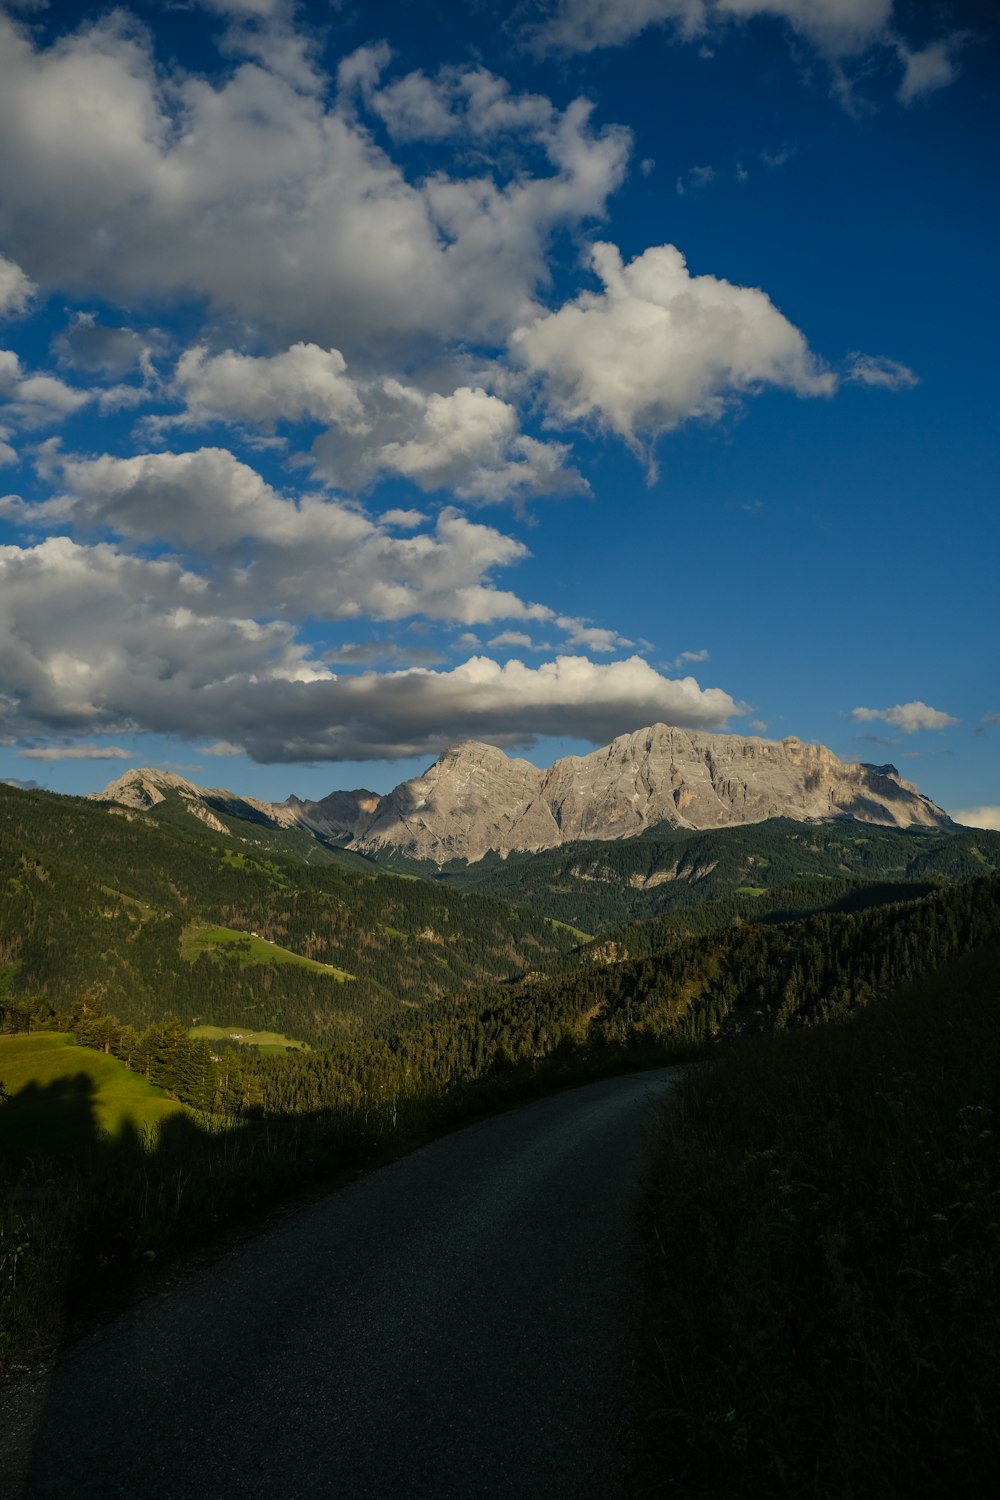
<point>476,800</point>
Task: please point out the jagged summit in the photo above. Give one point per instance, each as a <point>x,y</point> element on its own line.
<point>475,799</point>
<point>143,787</point>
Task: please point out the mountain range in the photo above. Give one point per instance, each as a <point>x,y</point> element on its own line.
<point>476,801</point>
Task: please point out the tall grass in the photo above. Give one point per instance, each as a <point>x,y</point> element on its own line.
<point>824,1233</point>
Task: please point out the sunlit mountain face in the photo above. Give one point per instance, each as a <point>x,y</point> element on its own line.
<point>379,379</point>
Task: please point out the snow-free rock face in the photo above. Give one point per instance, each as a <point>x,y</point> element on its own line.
<point>335,817</point>
<point>144,788</point>
<point>476,799</point>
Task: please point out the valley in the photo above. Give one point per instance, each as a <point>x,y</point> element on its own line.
<point>206,1017</point>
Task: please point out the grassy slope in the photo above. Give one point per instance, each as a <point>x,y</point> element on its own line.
<point>50,1059</point>
<point>93,900</point>
<point>249,949</point>
<point>264,1041</point>
<point>824,1234</point>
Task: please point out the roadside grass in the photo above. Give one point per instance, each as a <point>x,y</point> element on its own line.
<point>265,1041</point>
<point>252,951</point>
<point>824,1248</point>
<point>44,1059</point>
<point>78,1234</point>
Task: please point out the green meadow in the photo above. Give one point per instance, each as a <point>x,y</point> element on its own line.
<point>264,1041</point>
<point>49,1058</point>
<point>250,950</point>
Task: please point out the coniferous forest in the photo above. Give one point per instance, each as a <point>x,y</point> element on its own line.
<point>415,1004</point>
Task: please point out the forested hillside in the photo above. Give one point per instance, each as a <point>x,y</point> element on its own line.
<point>600,884</point>
<point>744,978</point>
<point>98,903</point>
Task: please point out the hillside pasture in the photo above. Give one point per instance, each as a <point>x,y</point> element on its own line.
<point>264,1041</point>
<point>49,1062</point>
<point>251,951</point>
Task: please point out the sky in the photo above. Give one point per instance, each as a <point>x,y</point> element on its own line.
<point>378,376</point>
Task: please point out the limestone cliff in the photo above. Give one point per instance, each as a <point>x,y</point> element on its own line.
<point>475,799</point>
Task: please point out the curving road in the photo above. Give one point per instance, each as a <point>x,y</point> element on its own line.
<point>458,1324</point>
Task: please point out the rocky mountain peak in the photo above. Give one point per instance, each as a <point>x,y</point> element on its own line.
<point>475,799</point>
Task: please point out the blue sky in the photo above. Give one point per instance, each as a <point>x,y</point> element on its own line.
<point>379,376</point>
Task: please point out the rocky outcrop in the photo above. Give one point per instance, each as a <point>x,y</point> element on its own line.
<point>335,818</point>
<point>475,800</point>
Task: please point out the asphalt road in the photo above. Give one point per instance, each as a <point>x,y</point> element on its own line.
<point>458,1324</point>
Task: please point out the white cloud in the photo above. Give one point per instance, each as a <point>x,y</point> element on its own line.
<point>658,347</point>
<point>908,717</point>
<point>978,817</point>
<point>251,192</point>
<point>15,288</point>
<point>303,382</point>
<point>468,441</point>
<point>271,555</point>
<point>76,752</point>
<point>592,637</point>
<point>135,645</point>
<point>220,747</point>
<point>690,658</point>
<point>760,725</point>
<point>36,400</point>
<point>876,370</point>
<point>128,636</point>
<point>927,70</point>
<point>418,711</point>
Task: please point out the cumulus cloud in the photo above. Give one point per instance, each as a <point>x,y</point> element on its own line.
<point>908,717</point>
<point>36,400</point>
<point>417,712</point>
<point>456,101</point>
<point>78,751</point>
<point>876,370</point>
<point>271,555</point>
<point>467,441</point>
<point>978,817</point>
<point>127,633</point>
<point>304,381</point>
<point>658,347</point>
<point>15,288</point>
<point>220,748</point>
<point>690,658</point>
<point>255,194</point>
<point>135,645</point>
